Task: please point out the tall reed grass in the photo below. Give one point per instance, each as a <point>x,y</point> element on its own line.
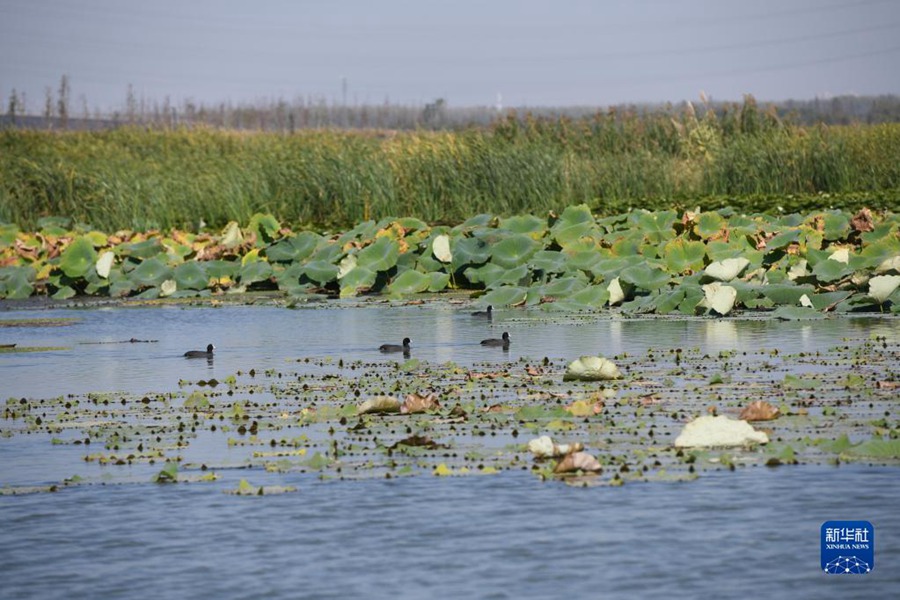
<point>140,179</point>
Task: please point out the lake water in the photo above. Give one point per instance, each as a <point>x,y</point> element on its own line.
<point>726,535</point>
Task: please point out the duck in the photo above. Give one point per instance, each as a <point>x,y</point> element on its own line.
<point>503,341</point>
<point>484,313</point>
<point>201,353</point>
<point>396,347</point>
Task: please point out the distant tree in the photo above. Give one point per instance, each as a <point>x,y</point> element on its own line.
<point>62,102</point>
<point>48,106</point>
<point>13,107</point>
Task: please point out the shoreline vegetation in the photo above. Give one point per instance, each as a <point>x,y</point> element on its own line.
<point>796,266</point>
<point>746,158</point>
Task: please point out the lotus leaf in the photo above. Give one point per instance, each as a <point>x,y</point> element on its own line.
<point>347,264</point>
<point>564,287</point>
<point>585,260</point>
<point>718,431</point>
<point>882,286</point>
<point>255,271</point>
<point>231,235</point>
<point>294,248</point>
<point>666,302</point>
<point>655,226</point>
<point>592,296</point>
<point>105,263</point>
<point>191,276</point>
<point>486,274</point>
<point>379,256</point>
<point>786,294</point>
<point>441,248</point>
<point>513,251</point>
<point>836,226</point>
<point>16,283</point>
<point>548,261</point>
<point>143,250</point>
<point>64,293</point>
<point>683,256</point>
<point>783,239</point>
<point>379,404</point>
<point>264,226</point>
<point>592,368</point>
<point>505,296</point>
<point>888,265</point>
<point>709,224</point>
<point>645,277</point>
<point>719,297</point>
<point>78,257</point>
<point>830,270</point>
<point>59,223</point>
<point>151,272</point>
<point>320,271</point>
<point>726,270</point>
<point>167,288</point>
<point>616,293</point>
<point>409,282</point>
<point>524,224</point>
<point>222,269</point>
<point>469,251</point>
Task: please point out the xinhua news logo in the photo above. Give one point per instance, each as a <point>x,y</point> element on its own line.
<point>848,547</point>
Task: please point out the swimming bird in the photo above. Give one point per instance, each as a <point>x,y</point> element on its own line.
<point>201,353</point>
<point>504,341</point>
<point>396,347</point>
<point>484,313</point>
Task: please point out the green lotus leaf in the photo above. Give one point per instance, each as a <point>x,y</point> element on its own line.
<point>149,294</point>
<point>783,239</point>
<point>655,226</point>
<point>97,238</point>
<point>320,271</point>
<point>709,224</point>
<point>8,234</point>
<point>379,256</point>
<point>255,271</point>
<point>151,272</point>
<point>143,250</point>
<point>505,296</point>
<point>438,281</point>
<point>629,244</point>
<point>549,261</point>
<point>513,251</point>
<point>585,260</point>
<point>357,280</point>
<point>830,270</point>
<point>469,251</point>
<point>61,224</point>
<point>563,287</point>
<point>827,299</point>
<point>191,275</point>
<point>693,295</point>
<point>719,250</point>
<point>330,253</point>
<point>412,224</point>
<point>593,296</point>
<point>363,231</point>
<point>837,226</point>
<point>265,227</point>
<point>667,302</point>
<point>77,258</point>
<point>645,277</point>
<point>16,282</point>
<point>409,282</point>
<point>485,274</point>
<point>524,224</point>
<point>797,313</point>
<point>786,294</point>
<point>682,255</point>
<point>220,269</point>
<point>568,237</point>
<point>294,248</point>
<point>482,220</point>
<point>64,293</point>
<point>425,262</point>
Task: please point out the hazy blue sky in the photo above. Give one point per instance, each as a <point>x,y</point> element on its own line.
<point>564,52</point>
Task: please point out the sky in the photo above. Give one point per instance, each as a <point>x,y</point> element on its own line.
<point>468,52</point>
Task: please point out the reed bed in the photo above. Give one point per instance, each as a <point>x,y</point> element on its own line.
<point>133,178</point>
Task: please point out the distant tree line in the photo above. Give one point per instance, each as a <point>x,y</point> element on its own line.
<point>279,115</point>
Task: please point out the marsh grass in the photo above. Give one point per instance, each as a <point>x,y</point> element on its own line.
<point>141,179</point>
